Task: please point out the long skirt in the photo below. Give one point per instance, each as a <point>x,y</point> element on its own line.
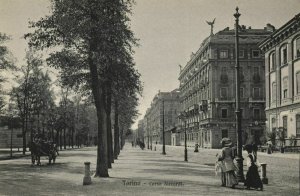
<point>252,178</point>
<point>223,179</point>
<point>230,179</point>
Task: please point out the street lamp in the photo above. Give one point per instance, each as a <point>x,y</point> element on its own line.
<point>163,128</point>
<point>239,159</point>
<point>183,116</point>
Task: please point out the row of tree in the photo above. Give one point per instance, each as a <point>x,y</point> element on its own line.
<point>92,49</point>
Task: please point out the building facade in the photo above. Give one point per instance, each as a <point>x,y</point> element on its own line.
<point>207,89</point>
<point>282,59</point>
<point>162,115</point>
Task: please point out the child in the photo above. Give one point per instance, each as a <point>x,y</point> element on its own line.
<point>252,177</point>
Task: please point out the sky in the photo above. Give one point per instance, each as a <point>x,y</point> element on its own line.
<point>168,30</point>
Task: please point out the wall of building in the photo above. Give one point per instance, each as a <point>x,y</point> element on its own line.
<point>5,137</point>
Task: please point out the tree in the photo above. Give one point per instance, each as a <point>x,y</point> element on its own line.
<point>89,33</point>
<point>33,96</point>
<point>6,63</point>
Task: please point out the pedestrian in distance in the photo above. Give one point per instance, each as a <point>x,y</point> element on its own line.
<point>252,177</point>
<point>227,156</point>
<point>269,149</point>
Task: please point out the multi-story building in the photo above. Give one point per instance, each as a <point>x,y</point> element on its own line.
<point>207,89</point>
<point>162,115</point>
<point>282,59</point>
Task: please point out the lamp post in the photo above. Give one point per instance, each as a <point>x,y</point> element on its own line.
<point>182,116</point>
<point>185,146</point>
<point>163,128</point>
<point>239,159</point>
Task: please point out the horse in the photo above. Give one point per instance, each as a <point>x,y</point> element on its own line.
<point>40,148</point>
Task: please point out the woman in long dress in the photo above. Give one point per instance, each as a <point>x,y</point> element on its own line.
<point>227,156</point>
<point>252,177</point>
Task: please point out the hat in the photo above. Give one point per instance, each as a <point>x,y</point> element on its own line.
<point>226,141</point>
<point>248,147</point>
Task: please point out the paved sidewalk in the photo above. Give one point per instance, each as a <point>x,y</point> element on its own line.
<point>136,172</point>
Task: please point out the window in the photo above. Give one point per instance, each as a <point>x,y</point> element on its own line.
<point>224,113</point>
<point>284,125</point>
<point>256,77</point>
<point>241,54</point>
<point>274,91</point>
<point>241,72</point>
<point>272,62</point>
<point>255,54</point>
<point>297,48</point>
<point>256,113</point>
<point>298,125</point>
<point>255,71</point>
<point>283,54</point>
<point>285,87</point>
<point>224,70</point>
<point>256,92</point>
<point>223,54</point>
<point>205,136</point>
<point>224,133</point>
<point>223,93</point>
<point>242,92</point>
<point>298,82</point>
<point>224,77</point>
<point>273,123</point>
<point>208,136</point>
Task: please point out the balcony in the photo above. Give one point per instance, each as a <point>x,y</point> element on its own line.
<point>203,105</point>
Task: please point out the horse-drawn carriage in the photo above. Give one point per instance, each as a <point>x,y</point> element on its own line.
<point>40,147</point>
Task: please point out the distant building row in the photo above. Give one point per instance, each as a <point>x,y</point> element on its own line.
<point>269,90</point>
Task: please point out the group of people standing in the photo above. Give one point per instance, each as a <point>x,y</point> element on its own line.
<point>227,167</point>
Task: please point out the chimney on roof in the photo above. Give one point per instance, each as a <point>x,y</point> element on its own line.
<point>269,28</point>
<point>192,55</point>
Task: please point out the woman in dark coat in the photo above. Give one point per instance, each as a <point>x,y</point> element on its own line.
<point>252,177</point>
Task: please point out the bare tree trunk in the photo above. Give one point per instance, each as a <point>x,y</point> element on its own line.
<point>108,121</point>
<point>65,146</point>
<point>52,133</point>
<point>60,139</point>
<point>97,90</point>
<point>24,136</point>
<point>122,137</point>
<point>72,137</point>
<point>102,166</point>
<point>116,131</point>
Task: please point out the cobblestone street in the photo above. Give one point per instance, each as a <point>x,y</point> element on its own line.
<point>141,172</point>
